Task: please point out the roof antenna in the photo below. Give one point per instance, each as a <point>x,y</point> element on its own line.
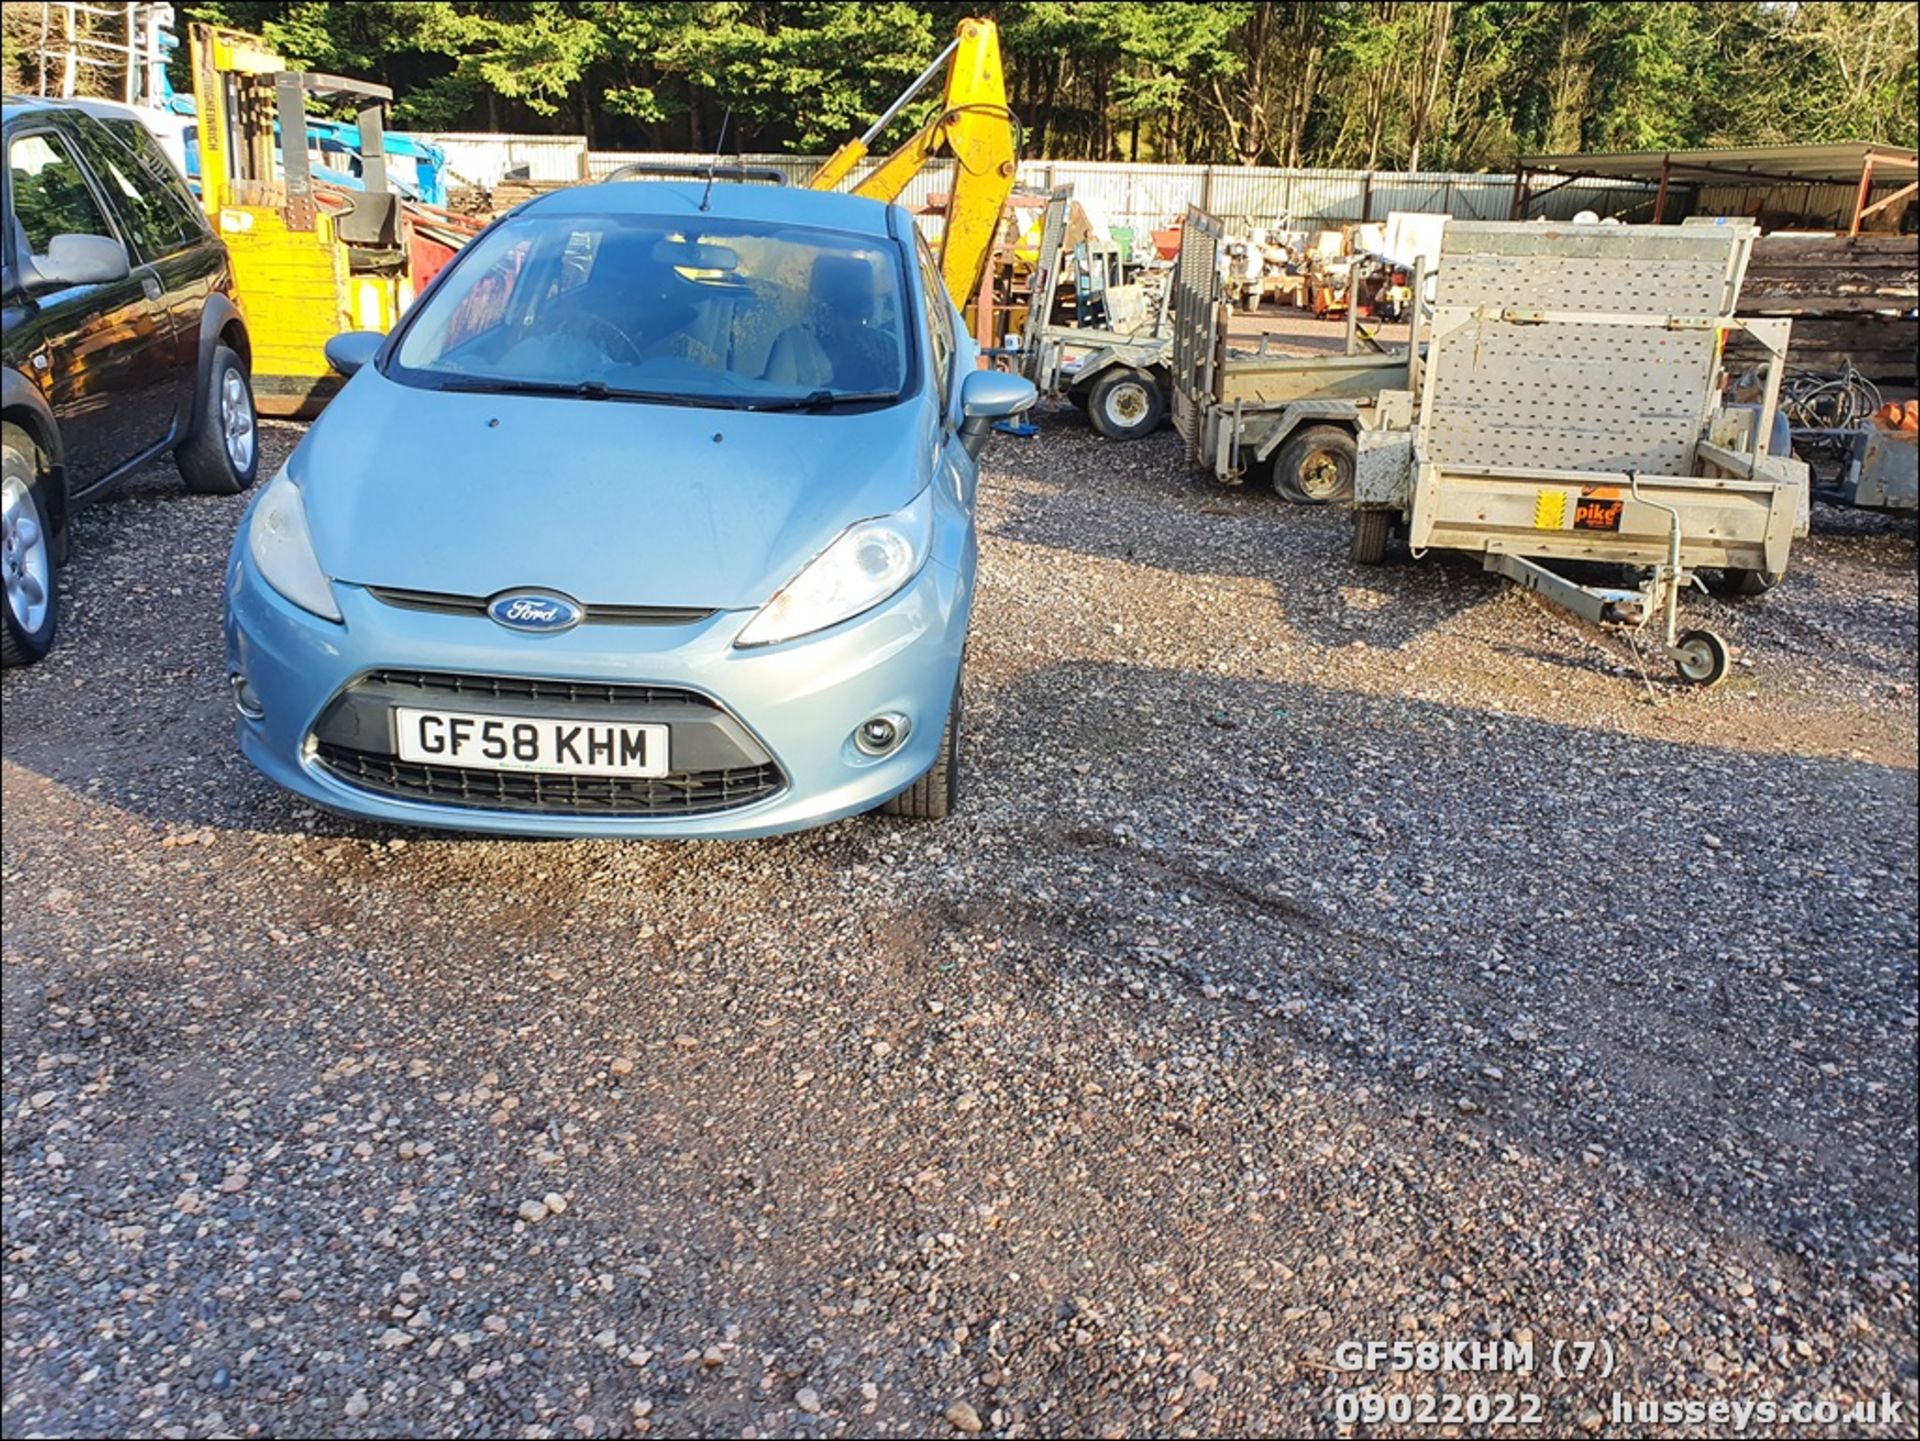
<point>719,145</point>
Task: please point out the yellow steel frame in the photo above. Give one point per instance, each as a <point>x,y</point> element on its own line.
<point>975,124</point>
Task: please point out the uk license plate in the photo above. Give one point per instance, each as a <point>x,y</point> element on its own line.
<point>530,743</point>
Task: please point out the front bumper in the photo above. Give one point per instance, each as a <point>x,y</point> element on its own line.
<point>800,701</point>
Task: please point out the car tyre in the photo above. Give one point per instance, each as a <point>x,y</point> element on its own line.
<point>30,609</point>
<point>1315,466</point>
<point>1125,404</point>
<point>934,795</point>
<point>222,456</point>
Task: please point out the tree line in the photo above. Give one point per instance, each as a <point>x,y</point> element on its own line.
<point>1372,84</point>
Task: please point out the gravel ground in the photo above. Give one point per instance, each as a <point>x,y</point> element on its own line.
<point>1321,955</point>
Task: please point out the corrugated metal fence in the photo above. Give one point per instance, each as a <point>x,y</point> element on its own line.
<point>1148,197</point>
<point>1144,197</point>
<point>482,158</point>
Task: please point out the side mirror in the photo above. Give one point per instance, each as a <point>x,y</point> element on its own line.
<point>351,349</point>
<point>78,260</point>
<point>987,396</point>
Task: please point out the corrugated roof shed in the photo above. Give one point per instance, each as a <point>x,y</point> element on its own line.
<point>1858,163</point>
<point>1843,160</point>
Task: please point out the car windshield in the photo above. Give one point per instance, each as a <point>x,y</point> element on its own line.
<point>700,311</point>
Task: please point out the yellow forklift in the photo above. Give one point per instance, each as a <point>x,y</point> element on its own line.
<point>975,124</point>
<point>309,260</point>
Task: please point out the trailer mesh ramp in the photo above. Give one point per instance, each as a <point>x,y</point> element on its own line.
<point>1197,331</point>
<point>1565,395</point>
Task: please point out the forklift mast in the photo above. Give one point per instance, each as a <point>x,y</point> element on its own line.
<point>310,260</point>
<point>243,89</point>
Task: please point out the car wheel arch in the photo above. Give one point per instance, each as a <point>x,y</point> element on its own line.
<point>220,324</point>
<point>22,405</point>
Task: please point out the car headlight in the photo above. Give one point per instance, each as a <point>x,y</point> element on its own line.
<point>282,549</point>
<point>869,562</point>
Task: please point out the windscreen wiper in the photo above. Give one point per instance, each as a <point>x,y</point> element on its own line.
<point>824,399</point>
<point>583,390</point>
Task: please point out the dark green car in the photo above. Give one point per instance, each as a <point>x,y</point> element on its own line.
<point>122,339</point>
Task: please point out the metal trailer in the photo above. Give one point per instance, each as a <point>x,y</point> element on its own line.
<point>1295,420</point>
<point>1570,410</point>
<point>1118,376</point>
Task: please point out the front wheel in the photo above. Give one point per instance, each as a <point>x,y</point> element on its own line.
<point>222,456</point>
<point>31,608</point>
<point>1125,404</point>
<point>934,795</point>
<point>1702,658</point>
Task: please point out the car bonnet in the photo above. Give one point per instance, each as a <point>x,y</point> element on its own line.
<point>611,502</point>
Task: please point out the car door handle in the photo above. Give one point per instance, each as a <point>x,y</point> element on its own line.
<point>151,286</point>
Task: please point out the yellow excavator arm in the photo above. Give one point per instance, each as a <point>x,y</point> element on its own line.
<point>975,124</point>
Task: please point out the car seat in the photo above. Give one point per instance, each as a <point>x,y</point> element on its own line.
<point>839,345</point>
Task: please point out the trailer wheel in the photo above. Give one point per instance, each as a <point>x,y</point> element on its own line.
<point>1734,581</point>
<point>1370,531</point>
<point>1315,466</point>
<point>1125,404</point>
<point>1702,658</point>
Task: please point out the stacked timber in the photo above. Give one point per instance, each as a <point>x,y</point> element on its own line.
<point>511,190</point>
<point>1852,301</point>
<point>473,200</point>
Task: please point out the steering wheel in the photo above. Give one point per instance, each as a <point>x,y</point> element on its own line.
<point>586,321</point>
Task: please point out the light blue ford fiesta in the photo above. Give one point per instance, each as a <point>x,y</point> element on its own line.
<point>654,517</point>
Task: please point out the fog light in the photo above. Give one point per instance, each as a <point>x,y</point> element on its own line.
<point>244,700</point>
<point>882,734</point>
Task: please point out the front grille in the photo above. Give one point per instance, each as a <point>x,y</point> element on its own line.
<point>724,767</point>
<point>690,793</point>
<point>445,603</point>
<point>498,687</point>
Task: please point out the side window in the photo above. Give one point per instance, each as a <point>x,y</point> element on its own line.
<point>50,194</point>
<point>146,187</point>
<point>939,319</point>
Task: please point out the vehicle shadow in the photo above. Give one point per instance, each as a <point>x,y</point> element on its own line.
<point>1461,905</point>
<point>1576,941</point>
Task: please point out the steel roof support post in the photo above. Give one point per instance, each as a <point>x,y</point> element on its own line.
<point>1518,210</point>
<point>1660,196</point>
<point>1860,197</point>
